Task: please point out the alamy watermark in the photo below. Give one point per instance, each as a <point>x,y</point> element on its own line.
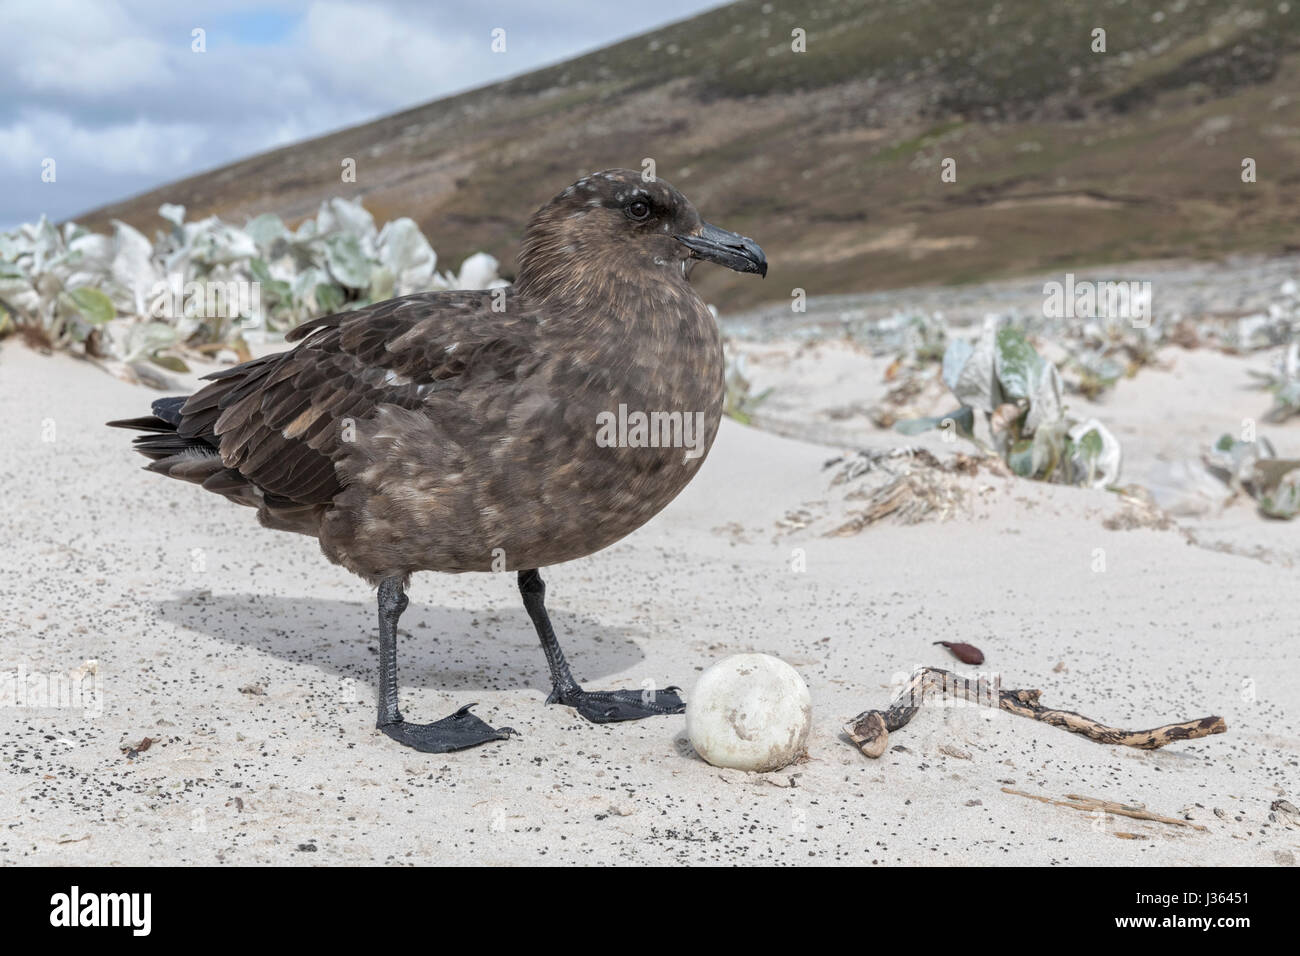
<point>1085,299</point>
<point>78,688</point>
<point>174,298</point>
<point>130,910</point>
<point>624,429</point>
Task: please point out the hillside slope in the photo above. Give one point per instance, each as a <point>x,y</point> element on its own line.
<point>831,157</point>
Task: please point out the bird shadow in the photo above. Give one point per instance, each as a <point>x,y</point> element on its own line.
<point>443,648</point>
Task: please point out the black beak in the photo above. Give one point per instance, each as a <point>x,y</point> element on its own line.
<point>726,249</point>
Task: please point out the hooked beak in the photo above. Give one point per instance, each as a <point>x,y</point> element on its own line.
<point>725,248</point>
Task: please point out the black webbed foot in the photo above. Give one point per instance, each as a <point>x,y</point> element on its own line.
<point>600,707</point>
<point>605,707</point>
<point>458,732</point>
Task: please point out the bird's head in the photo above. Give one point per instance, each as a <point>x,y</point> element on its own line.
<point>616,227</point>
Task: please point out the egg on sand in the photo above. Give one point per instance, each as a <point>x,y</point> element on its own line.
<point>749,712</point>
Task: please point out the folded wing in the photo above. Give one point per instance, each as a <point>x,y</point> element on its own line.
<point>268,432</point>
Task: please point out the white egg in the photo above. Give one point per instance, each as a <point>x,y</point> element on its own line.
<point>750,712</point>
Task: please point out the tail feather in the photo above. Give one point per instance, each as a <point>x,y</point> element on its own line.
<point>186,448</point>
<point>166,444</point>
<point>165,418</point>
<point>148,423</point>
<point>197,468</point>
<point>169,409</point>
<point>162,440</point>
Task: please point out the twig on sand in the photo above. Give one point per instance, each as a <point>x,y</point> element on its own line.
<point>1076,802</point>
<point>870,730</point>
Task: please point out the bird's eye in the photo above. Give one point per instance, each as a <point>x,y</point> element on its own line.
<point>637,211</point>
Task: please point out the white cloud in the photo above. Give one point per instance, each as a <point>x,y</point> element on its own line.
<point>140,146</point>
<point>106,70</point>
<point>374,54</point>
<point>94,52</point>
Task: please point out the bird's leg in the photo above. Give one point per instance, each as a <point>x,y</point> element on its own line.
<point>462,729</point>
<point>597,706</point>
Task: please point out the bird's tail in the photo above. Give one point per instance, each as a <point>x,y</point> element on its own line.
<point>191,459</point>
<point>162,440</point>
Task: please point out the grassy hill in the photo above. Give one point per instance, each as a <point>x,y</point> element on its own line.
<point>831,158</point>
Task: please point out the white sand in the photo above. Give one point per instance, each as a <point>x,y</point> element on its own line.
<point>184,600</point>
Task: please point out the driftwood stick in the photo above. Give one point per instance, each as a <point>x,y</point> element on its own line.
<point>1077,802</point>
<point>870,730</point>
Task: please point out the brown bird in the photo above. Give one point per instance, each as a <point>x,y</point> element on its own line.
<point>509,429</point>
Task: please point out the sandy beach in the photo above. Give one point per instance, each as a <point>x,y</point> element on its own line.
<point>249,661</point>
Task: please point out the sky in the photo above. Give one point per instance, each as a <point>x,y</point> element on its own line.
<point>115,93</point>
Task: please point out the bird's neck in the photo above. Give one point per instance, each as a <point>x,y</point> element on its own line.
<point>635,305</point>
<point>657,340</point>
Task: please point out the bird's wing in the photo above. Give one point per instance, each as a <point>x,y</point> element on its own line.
<point>279,420</point>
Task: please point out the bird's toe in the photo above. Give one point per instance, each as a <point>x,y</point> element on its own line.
<point>458,732</point>
<point>603,707</point>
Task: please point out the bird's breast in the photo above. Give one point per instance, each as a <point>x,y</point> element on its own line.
<point>581,449</point>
